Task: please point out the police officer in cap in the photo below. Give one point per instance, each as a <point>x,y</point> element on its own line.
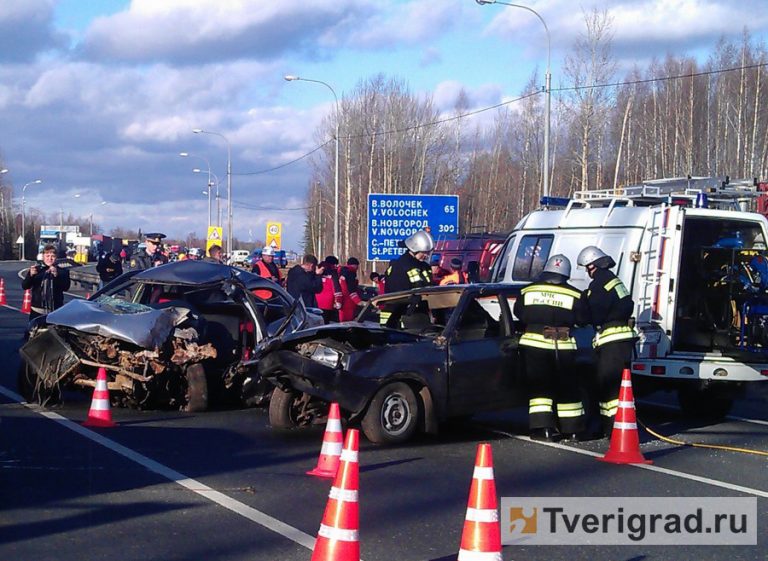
<point>550,308</point>
<point>610,307</point>
<point>408,271</point>
<point>152,255</point>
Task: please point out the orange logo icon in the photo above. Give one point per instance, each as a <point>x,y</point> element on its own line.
<point>519,523</point>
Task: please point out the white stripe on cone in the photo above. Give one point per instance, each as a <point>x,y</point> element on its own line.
<point>338,534</point>
<point>482,515</point>
<point>482,473</point>
<point>465,555</point>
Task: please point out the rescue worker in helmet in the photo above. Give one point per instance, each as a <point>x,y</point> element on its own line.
<point>609,306</point>
<point>266,266</point>
<point>550,308</point>
<point>408,271</point>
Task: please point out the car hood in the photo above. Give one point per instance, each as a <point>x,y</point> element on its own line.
<point>110,317</point>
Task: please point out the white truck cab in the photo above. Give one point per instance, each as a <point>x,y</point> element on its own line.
<point>693,254</point>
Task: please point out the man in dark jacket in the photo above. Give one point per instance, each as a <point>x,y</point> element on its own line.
<point>152,255</point>
<point>47,282</point>
<point>610,307</point>
<point>549,308</point>
<point>109,267</point>
<point>305,281</point>
<point>408,271</point>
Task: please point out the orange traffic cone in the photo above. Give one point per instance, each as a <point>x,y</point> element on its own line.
<point>328,462</point>
<point>481,538</point>
<point>26,303</point>
<point>337,538</point>
<point>100,414</point>
<point>625,441</point>
<point>3,301</point>
<point>87,295</point>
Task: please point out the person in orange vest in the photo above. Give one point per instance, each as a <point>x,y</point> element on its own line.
<point>456,276</point>
<point>352,298</point>
<point>331,296</point>
<point>266,266</point>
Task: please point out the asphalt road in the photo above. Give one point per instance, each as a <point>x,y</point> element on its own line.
<point>222,486</point>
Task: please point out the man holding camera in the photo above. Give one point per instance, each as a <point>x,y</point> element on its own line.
<point>109,267</point>
<point>152,255</point>
<point>47,282</point>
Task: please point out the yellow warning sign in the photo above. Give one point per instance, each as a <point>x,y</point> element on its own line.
<point>274,234</point>
<point>215,234</point>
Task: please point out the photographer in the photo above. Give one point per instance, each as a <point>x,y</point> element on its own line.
<point>48,282</point>
<point>109,267</point>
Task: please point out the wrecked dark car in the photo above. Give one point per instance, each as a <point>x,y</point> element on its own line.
<point>452,352</point>
<point>176,336</point>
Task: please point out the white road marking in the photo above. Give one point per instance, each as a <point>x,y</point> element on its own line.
<point>277,526</point>
<point>657,469</point>
<point>730,417</point>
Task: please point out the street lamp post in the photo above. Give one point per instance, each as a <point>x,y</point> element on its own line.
<point>197,170</point>
<point>208,192</point>
<point>23,233</point>
<point>291,78</point>
<point>229,185</point>
<point>547,90</point>
<point>90,218</point>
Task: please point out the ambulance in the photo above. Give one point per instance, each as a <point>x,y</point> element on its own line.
<point>692,252</point>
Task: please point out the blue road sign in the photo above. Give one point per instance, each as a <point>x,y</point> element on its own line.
<point>392,218</point>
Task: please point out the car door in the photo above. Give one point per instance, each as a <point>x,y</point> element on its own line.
<point>482,354</point>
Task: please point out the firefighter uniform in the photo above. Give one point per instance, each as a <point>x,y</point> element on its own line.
<point>549,308</point>
<point>610,307</point>
<point>404,273</point>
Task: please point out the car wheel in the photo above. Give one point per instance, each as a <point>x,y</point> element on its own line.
<point>197,388</point>
<point>285,408</point>
<point>392,415</point>
<point>704,404</point>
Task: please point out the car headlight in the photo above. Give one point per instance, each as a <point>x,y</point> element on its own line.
<point>326,355</point>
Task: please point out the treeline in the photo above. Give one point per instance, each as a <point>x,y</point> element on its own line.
<point>675,117</point>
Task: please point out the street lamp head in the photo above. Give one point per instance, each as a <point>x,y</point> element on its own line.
<point>184,154</point>
<point>3,170</point>
<point>197,170</point>
<point>290,78</point>
<point>37,181</point>
<point>482,2</point>
<point>197,131</point>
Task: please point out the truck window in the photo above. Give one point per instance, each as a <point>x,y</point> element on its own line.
<point>532,255</point>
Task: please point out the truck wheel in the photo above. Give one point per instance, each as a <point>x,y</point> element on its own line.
<point>197,388</point>
<point>392,415</point>
<point>706,404</point>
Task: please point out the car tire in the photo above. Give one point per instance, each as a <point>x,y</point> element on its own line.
<point>282,409</point>
<point>197,388</point>
<point>704,404</point>
<point>392,416</point>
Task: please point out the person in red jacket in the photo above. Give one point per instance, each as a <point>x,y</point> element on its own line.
<point>331,296</point>
<point>352,297</point>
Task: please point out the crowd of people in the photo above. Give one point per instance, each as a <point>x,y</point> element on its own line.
<point>549,309</point>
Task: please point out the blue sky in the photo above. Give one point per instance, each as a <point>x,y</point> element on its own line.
<point>98,98</point>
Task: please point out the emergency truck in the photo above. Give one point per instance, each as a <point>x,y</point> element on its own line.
<point>692,252</point>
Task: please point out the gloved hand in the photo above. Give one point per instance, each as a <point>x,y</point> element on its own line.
<point>337,305</point>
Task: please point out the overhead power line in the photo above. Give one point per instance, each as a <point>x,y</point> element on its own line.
<point>511,101</point>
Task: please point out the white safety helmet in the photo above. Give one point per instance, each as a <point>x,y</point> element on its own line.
<point>420,241</point>
<point>267,251</point>
<point>558,264</point>
<point>592,255</point>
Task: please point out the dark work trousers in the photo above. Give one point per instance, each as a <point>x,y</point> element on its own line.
<point>612,358</point>
<point>331,316</point>
<point>553,389</point>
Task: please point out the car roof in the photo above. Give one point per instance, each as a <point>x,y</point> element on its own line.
<point>471,288</point>
<point>194,273</point>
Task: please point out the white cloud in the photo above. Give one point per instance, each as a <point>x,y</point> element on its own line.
<point>195,31</point>
<point>26,30</point>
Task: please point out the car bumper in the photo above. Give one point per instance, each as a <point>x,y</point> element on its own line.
<point>288,369</point>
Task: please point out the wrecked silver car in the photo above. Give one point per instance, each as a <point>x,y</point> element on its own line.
<point>176,336</point>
